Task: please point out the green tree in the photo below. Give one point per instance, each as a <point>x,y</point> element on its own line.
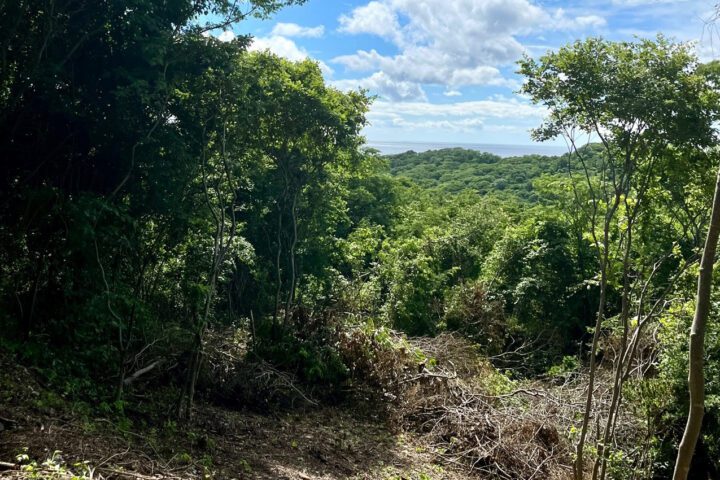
<point>638,99</point>
<point>101,158</point>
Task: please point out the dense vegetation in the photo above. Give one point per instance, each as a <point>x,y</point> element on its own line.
<point>454,170</point>
<point>162,192</point>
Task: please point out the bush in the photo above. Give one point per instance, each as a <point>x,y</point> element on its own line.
<point>305,346</point>
<point>478,314</point>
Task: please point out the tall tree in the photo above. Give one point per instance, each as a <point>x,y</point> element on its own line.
<point>696,364</point>
<point>638,99</point>
<point>99,164</point>
<point>300,129</point>
<point>696,368</point>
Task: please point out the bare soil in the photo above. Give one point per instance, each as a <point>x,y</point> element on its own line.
<point>322,443</point>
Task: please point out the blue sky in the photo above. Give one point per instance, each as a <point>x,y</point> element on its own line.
<point>443,70</point>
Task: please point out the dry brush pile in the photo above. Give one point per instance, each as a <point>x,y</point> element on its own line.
<point>474,418</point>
<point>447,390</point>
<point>443,388</point>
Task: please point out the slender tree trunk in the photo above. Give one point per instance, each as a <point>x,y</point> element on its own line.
<point>601,460</point>
<point>184,404</point>
<point>224,235</point>
<point>579,458</point>
<point>34,302</point>
<point>604,264</point>
<point>186,407</point>
<point>293,245</point>
<point>619,369</point>
<point>278,270</point>
<point>696,374</point>
<point>278,256</point>
<point>188,399</point>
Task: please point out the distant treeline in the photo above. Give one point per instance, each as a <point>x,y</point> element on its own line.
<point>454,170</point>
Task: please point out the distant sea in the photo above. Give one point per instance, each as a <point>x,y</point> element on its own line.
<point>390,148</point>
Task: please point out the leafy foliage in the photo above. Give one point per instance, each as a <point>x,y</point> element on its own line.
<point>453,170</point>
<point>157,183</point>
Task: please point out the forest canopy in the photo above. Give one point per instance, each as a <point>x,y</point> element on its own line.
<point>165,195</point>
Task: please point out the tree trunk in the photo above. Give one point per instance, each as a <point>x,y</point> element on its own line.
<point>293,245</point>
<point>580,447</point>
<point>604,266</point>
<point>601,461</point>
<point>696,375</point>
<point>278,270</point>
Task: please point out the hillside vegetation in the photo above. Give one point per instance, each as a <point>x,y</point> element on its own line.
<point>454,170</point>
<point>204,273</point>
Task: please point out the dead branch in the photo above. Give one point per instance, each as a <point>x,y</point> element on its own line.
<point>132,378</point>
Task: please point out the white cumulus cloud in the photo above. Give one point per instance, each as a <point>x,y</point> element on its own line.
<point>286,48</point>
<point>491,115</point>
<point>295,30</point>
<point>381,84</point>
<point>376,18</point>
<point>226,36</point>
<point>506,108</point>
<point>453,43</point>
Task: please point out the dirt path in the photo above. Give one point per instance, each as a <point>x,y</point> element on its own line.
<point>327,443</point>
<point>324,444</point>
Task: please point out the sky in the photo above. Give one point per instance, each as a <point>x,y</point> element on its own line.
<point>444,70</point>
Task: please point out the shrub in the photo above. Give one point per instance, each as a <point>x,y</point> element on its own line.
<point>477,313</point>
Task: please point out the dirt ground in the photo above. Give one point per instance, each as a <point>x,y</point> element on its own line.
<point>324,443</point>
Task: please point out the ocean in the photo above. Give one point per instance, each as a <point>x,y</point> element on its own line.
<point>390,148</point>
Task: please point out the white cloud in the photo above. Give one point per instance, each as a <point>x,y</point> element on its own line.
<point>381,84</point>
<point>281,46</point>
<point>465,125</point>
<point>286,48</point>
<point>634,3</point>
<point>361,61</point>
<point>492,115</point>
<point>295,30</point>
<point>451,43</point>
<point>561,21</point>
<point>376,18</point>
<point>226,36</point>
<point>706,51</point>
<point>590,21</point>
<point>452,93</point>
<point>499,109</point>
<point>435,67</point>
